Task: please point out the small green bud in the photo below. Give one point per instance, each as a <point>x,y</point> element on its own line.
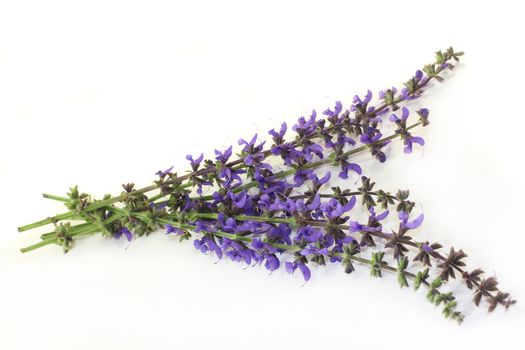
<point>440,58</point>
<point>73,192</point>
<point>402,194</point>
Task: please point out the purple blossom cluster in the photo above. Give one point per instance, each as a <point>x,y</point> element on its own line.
<point>276,205</point>
<point>251,199</point>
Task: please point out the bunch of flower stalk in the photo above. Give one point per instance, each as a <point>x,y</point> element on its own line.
<point>272,203</point>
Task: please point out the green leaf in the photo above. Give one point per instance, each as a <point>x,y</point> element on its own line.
<point>448,310</point>
<point>420,278</point>
<point>438,299</point>
<point>375,264</point>
<point>389,97</point>
<point>436,283</point>
<point>440,58</point>
<point>402,263</point>
<point>73,192</point>
<point>429,70</point>
<point>401,278</point>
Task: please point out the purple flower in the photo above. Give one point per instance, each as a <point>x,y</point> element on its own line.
<point>377,217</point>
<point>321,181</point>
<point>158,206</point>
<point>404,115</point>
<point>281,233</point>
<point>308,234</point>
<point>403,217</point>
<point>300,206</point>
<point>267,254</point>
<point>206,244</point>
<point>309,249</point>
<point>260,245</point>
<point>378,153</point>
<point>203,226</point>
<point>162,174</point>
<point>176,230</point>
<point>304,127</point>
<point>265,202</point>
<point>239,200</point>
<point>370,135</point>
<point>334,210</point>
<point>312,149</point>
<point>230,177</point>
<point>271,262</point>
<point>342,140</point>
<point>230,225</point>
<point>357,227</point>
<point>253,156</point>
<point>411,140</point>
<point>255,228</point>
<point>223,156</point>
<point>337,109</point>
<point>291,267</point>
<point>288,153</point>
<point>273,186</point>
<point>338,249</point>
<point>301,175</point>
<point>419,75</point>
<point>278,138</point>
<point>252,159</point>
<point>345,167</point>
<point>249,147</point>
<point>366,99</point>
<point>195,163</point>
<point>238,252</point>
<point>411,92</point>
<point>423,116</point>
<point>124,231</point>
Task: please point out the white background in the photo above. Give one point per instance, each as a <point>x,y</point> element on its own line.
<point>98,93</point>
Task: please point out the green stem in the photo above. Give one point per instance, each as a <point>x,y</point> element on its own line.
<point>91,207</point>
<point>212,216</point>
<point>56,198</point>
<point>39,244</point>
<point>87,229</point>
<point>78,230</point>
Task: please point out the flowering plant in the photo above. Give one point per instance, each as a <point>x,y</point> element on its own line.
<point>256,212</point>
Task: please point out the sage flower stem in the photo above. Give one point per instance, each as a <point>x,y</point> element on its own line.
<point>205,171</point>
